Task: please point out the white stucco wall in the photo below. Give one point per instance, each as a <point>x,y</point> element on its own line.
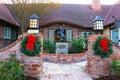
<point>106,31</point>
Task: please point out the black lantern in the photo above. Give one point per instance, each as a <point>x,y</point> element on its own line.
<point>34,24</point>
<point>98,23</point>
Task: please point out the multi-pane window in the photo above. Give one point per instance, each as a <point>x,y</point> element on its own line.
<point>85,34</point>
<point>69,35</point>
<point>51,34</point>
<point>7,33</point>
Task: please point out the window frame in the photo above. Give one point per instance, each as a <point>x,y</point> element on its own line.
<point>52,34</point>
<point>86,33</point>
<point>71,34</point>
<point>7,33</point>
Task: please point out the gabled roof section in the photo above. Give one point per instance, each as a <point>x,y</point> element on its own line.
<point>80,14</point>
<point>5,15</point>
<point>114,11</point>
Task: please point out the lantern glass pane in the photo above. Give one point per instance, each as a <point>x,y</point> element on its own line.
<point>34,23</point>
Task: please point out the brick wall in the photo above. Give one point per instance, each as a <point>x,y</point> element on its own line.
<point>96,66</point>
<point>33,66</point>
<point>6,42</point>
<point>76,30</point>
<point>65,58</point>
<point>1,32</point>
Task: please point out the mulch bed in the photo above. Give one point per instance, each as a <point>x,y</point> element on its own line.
<point>113,77</point>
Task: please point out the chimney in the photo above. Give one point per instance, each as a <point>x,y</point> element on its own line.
<point>96,5</point>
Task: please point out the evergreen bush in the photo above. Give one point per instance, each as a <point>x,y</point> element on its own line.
<point>48,46</point>
<point>11,69</point>
<point>78,45</point>
<point>115,66</point>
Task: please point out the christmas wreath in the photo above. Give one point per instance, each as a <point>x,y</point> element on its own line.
<point>102,47</point>
<point>30,45</point>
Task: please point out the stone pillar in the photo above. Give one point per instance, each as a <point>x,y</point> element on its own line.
<point>96,66</point>
<point>33,66</point>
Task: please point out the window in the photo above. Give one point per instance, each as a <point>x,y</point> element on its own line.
<point>114,35</point>
<point>7,33</point>
<point>51,34</point>
<point>69,35</point>
<point>13,34</point>
<point>85,34</point>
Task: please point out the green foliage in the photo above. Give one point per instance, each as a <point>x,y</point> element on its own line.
<point>98,50</point>
<point>78,45</point>
<point>11,69</point>
<point>48,46</point>
<point>115,66</point>
<point>27,52</point>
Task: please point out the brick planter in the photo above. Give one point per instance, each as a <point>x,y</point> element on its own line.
<point>33,66</point>
<point>96,66</point>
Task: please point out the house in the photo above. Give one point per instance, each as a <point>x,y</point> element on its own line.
<point>75,19</point>
<point>8,27</point>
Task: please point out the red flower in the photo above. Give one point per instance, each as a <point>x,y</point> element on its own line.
<point>31,42</point>
<point>104,44</point>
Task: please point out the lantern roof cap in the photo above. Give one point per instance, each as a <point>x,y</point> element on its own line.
<point>34,16</point>
<point>98,18</point>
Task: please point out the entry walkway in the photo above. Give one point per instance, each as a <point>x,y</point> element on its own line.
<point>58,71</point>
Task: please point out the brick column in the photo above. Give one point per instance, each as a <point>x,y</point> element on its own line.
<point>96,66</point>
<point>33,66</point>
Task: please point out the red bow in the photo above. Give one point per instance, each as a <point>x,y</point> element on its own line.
<point>104,44</point>
<point>30,42</point>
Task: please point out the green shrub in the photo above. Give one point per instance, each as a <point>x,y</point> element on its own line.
<point>48,46</point>
<point>115,66</point>
<point>11,69</point>
<point>78,45</point>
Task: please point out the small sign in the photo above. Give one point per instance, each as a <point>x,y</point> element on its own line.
<point>33,31</point>
<point>61,47</point>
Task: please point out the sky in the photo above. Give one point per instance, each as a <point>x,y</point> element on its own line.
<point>79,1</point>
<point>86,1</point>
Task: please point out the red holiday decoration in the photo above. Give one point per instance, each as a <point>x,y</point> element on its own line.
<point>31,42</point>
<point>104,44</point>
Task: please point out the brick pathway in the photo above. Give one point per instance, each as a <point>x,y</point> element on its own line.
<point>57,71</point>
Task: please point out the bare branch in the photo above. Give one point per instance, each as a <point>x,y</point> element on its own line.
<point>24,8</point>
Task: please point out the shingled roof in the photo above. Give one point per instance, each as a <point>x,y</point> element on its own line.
<point>80,14</point>
<point>6,16</point>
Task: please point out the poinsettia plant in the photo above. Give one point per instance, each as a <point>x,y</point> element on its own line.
<point>102,47</point>
<point>30,45</point>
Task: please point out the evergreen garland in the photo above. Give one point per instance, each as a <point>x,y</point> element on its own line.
<point>28,52</point>
<point>98,49</point>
